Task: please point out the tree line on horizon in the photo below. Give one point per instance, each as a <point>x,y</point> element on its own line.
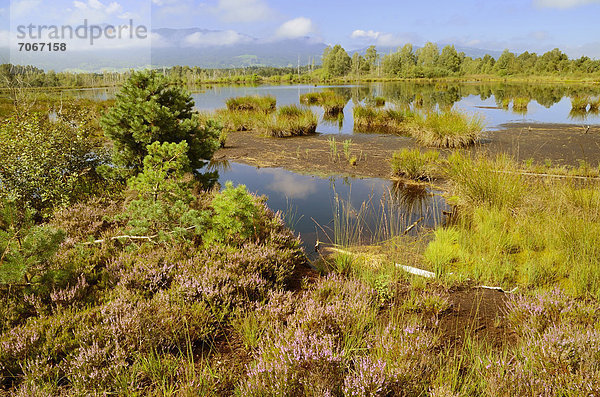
<point>429,62</point>
<point>406,62</point>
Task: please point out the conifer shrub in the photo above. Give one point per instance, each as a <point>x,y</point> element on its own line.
<point>148,110</point>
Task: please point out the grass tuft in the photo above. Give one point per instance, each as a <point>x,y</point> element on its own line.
<point>331,102</point>
<point>414,164</point>
<point>253,103</point>
<point>449,129</point>
<point>291,120</point>
<point>369,119</point>
<point>579,103</point>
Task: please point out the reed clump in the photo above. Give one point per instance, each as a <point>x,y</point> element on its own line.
<point>331,102</point>
<point>415,164</point>
<point>579,103</point>
<point>370,119</point>
<point>241,120</point>
<point>448,129</point>
<point>291,120</point>
<point>377,101</point>
<point>520,104</point>
<point>252,103</point>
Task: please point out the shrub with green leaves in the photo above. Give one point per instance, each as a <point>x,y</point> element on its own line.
<point>47,164</point>
<point>147,110</point>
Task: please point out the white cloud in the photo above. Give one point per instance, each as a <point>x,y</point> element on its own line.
<point>362,34</point>
<point>563,3</point>
<point>220,38</point>
<point>4,38</point>
<point>382,38</point>
<point>164,2</point>
<point>297,27</point>
<point>23,7</point>
<point>95,5</point>
<point>291,186</point>
<point>243,10</point>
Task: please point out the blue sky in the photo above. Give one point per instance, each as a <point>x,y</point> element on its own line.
<point>519,25</point>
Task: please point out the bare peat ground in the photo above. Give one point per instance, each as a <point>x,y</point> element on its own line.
<point>563,144</point>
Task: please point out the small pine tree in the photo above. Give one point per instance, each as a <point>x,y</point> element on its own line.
<point>25,249</point>
<point>235,217</point>
<point>164,195</point>
<point>148,110</point>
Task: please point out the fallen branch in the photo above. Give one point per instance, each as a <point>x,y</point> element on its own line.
<point>415,223</point>
<point>149,238</point>
<point>424,273</point>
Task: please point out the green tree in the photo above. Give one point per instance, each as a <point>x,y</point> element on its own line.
<point>336,61</point>
<point>408,60</point>
<point>371,58</point>
<point>236,216</point>
<point>148,110</point>
<point>427,56</point>
<point>392,64</point>
<point>357,63</point>
<point>164,203</point>
<point>505,64</point>
<point>449,59</point>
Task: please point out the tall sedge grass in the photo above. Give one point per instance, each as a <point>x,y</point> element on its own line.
<point>291,121</point>
<point>256,103</point>
<point>288,120</point>
<point>594,105</point>
<point>520,105</point>
<point>532,233</point>
<point>241,120</point>
<point>414,164</point>
<point>579,103</point>
<point>331,102</point>
<point>381,218</point>
<point>448,129</point>
<point>369,119</point>
<point>481,181</point>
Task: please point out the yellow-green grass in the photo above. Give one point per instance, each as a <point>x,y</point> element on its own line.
<point>579,103</point>
<point>331,102</point>
<point>517,231</point>
<point>520,104</point>
<point>241,120</point>
<point>414,164</point>
<point>370,119</point>
<point>264,104</point>
<point>448,129</point>
<point>291,120</point>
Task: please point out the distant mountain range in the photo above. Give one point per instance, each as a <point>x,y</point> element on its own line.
<point>199,47</point>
